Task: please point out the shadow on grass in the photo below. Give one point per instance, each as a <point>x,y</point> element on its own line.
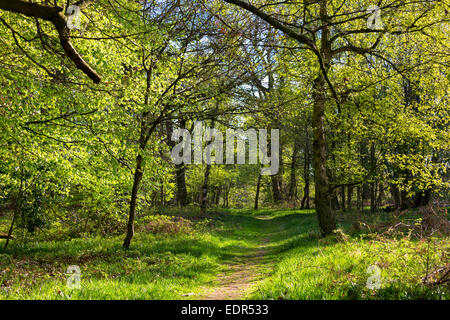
<point>181,261</point>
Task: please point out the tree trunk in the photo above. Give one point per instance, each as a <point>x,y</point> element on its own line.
<point>349,197</point>
<point>17,205</point>
<point>145,134</point>
<point>182,198</point>
<point>134,193</point>
<point>359,198</point>
<point>325,214</point>
<point>306,173</point>
<point>373,184</point>
<point>180,169</point>
<point>225,200</point>
<point>380,195</point>
<point>205,186</point>
<point>11,227</point>
<point>276,189</point>
<point>277,182</point>
<point>395,193</point>
<point>258,187</point>
<point>204,194</point>
<point>422,198</point>
<point>373,196</point>
<point>219,192</point>
<point>343,202</point>
<point>335,201</point>
<point>293,182</point>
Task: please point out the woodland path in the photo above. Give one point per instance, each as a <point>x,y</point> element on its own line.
<point>245,270</point>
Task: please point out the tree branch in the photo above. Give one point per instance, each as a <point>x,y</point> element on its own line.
<point>274,22</point>
<point>56,17</point>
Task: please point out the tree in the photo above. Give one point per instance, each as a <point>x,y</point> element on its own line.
<point>317,26</point>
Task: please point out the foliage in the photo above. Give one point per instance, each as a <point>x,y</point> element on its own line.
<point>86,123</point>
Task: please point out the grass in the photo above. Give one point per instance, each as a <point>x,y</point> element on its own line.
<point>307,267</point>
<point>155,268</point>
<point>298,264</point>
<point>169,266</point>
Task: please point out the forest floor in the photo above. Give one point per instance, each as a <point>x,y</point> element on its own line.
<point>238,254</point>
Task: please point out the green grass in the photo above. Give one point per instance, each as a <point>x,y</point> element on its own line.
<point>307,267</point>
<point>156,266</point>
<point>298,264</point>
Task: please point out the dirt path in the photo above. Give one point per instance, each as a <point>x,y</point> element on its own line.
<point>241,275</point>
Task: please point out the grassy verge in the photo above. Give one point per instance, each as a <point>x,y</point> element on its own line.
<point>307,267</point>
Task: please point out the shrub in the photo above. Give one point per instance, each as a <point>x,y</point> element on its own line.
<point>165,225</point>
